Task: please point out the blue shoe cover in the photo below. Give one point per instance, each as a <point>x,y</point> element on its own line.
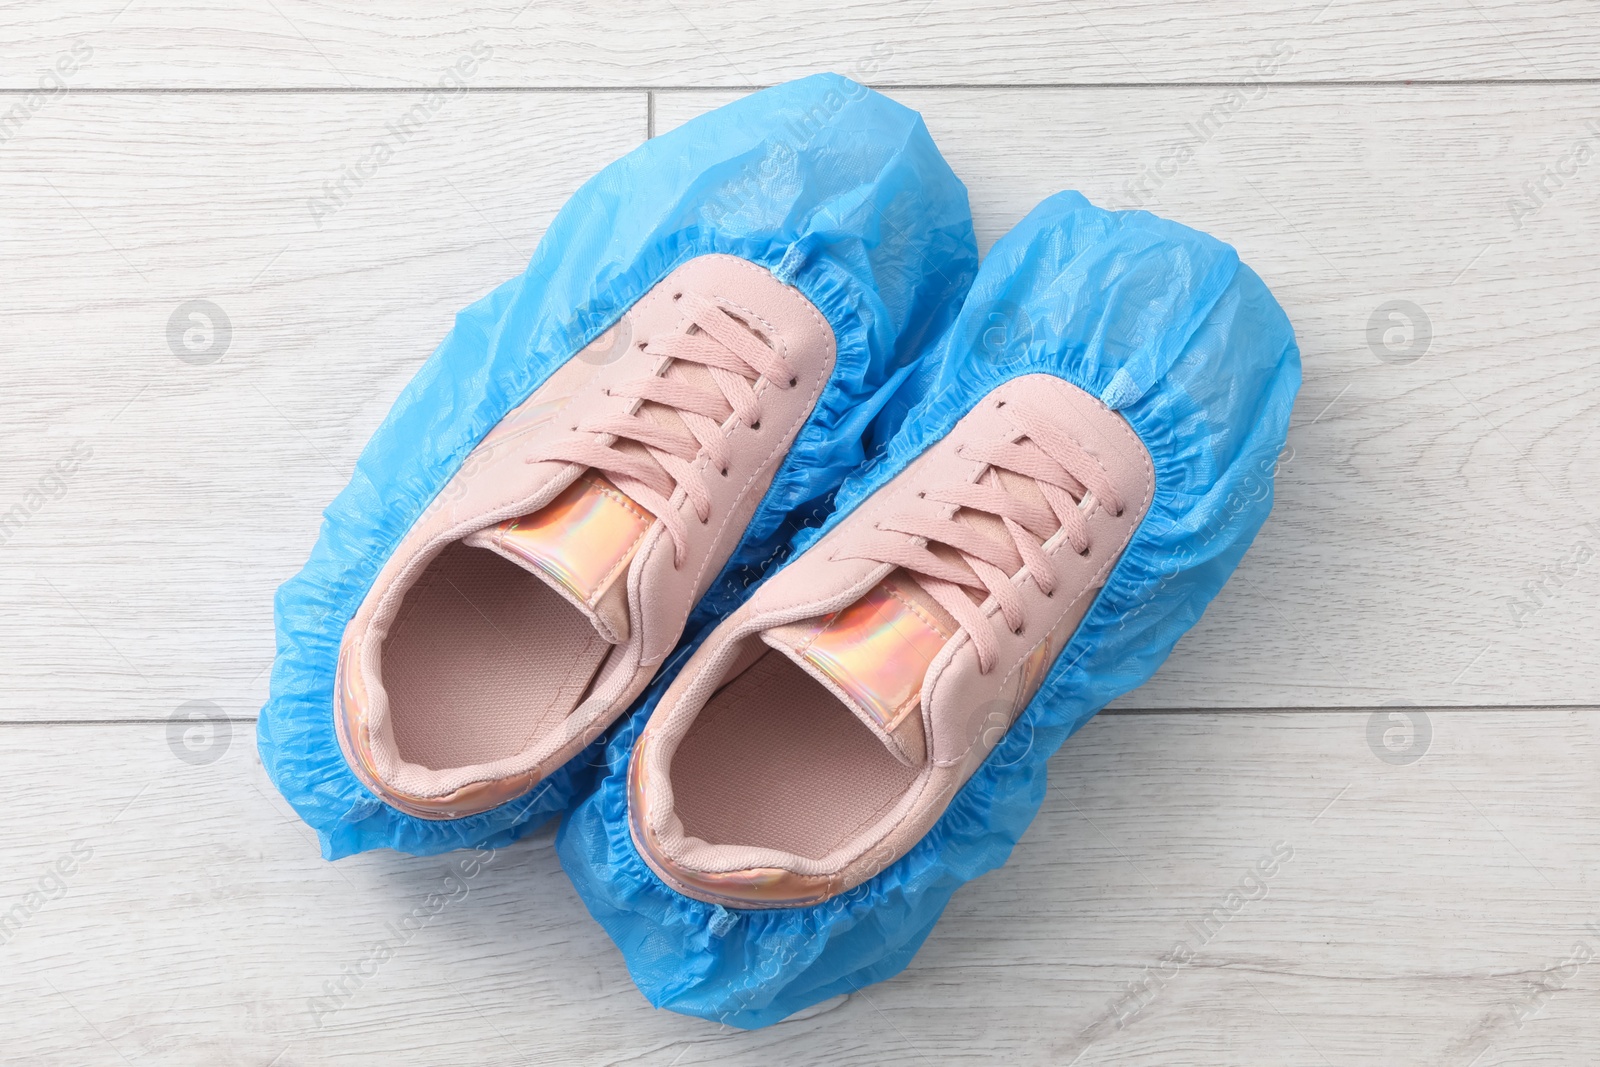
<point>837,190</point>
<point>1166,326</point>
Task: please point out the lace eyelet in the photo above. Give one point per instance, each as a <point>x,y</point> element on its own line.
<point>1019,631</point>
<point>794,381</point>
<point>677,296</point>
<point>756,425</point>
<point>1051,595</point>
<point>724,472</point>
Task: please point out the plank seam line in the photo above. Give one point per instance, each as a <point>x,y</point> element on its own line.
<point>480,90</point>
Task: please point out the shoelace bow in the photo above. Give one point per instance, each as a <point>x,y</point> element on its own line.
<point>1064,474</point>
<point>736,359</point>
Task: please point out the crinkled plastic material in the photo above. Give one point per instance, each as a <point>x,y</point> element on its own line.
<point>836,189</point>
<point>1163,324</point>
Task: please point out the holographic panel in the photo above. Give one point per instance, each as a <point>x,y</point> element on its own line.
<point>878,650</point>
<point>583,538</point>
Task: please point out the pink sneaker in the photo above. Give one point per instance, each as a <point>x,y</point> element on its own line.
<point>540,592</point>
<point>822,729</point>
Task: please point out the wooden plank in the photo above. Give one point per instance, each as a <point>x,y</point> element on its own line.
<point>676,43</point>
<point>1424,912</point>
<point>1421,501</point>
<point>1437,534</point>
<point>170,478</point>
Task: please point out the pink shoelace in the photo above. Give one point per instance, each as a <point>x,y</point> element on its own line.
<point>1039,449</point>
<point>736,359</point>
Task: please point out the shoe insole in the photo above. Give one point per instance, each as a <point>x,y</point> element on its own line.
<point>483,657</point>
<point>774,760</point>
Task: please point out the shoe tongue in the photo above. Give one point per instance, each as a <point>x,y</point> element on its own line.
<point>580,545</point>
<point>873,656</point>
<point>696,375</point>
<point>991,526</point>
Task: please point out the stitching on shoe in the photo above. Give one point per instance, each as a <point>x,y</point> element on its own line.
<point>1095,585</point>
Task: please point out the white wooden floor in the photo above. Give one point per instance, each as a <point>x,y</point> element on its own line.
<point>1399,691</point>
